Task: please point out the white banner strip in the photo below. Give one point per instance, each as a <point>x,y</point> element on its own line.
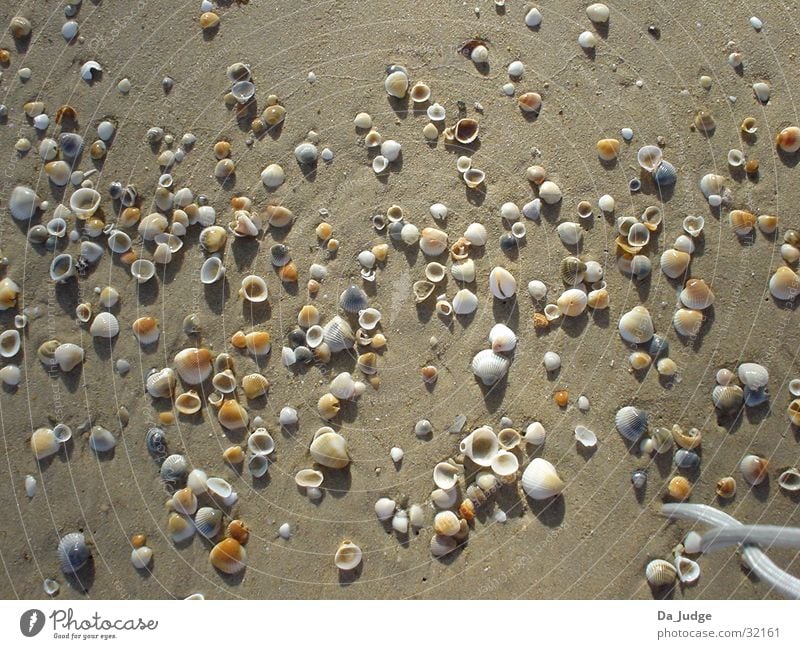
<point>397,623</point>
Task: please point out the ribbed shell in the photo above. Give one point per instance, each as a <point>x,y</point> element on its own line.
<point>489,367</point>
<point>636,326</point>
<point>660,573</point>
<point>339,335</point>
<point>631,422</point>
<point>540,480</point>
<point>72,552</point>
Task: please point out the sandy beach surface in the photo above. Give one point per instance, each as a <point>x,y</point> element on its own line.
<point>326,62</point>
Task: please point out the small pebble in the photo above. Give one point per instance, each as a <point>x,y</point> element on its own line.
<point>124,86</point>
<point>284,531</point>
<point>705,82</point>
<point>639,83</point>
<point>508,89</point>
<point>24,74</point>
<point>312,77</point>
<point>756,23</point>
<point>627,134</point>
<point>396,454</point>
<point>167,83</point>
<point>327,155</point>
<point>123,366</point>
<point>506,422</point>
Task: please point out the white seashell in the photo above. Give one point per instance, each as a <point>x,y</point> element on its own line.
<point>363,121</point>
<point>464,302</point>
<point>68,356</point>
<point>505,465</point>
<point>674,263</point>
<point>400,522</point>
<point>396,84</point>
<point>308,478</point>
<point>30,486</point>
<point>89,69</point>
<point>585,437</point>
<point>551,361</point>
<point>712,184</point>
<point>143,270</point>
<point>481,446</point>
<point>438,211</point>
<point>141,557</point>
<point>540,480</point>
<point>761,91</point>
<point>463,271</point>
<point>445,476</point>
<point>348,556</point>
<point>502,283</point>
<point>62,268</point>
<point>390,149</point>
<point>369,318</point>
<point>10,375</point>
<point>329,449</point>
<point>476,234</point>
<point>10,343</point>
<point>784,284</point>
<point>753,375</point>
<point>572,302</point>
<point>384,508</point>
<point>696,295</point>
<point>598,13</point>
<point>587,40</point>
<point>537,289</point>
<point>533,18</point>
<point>489,367</point>
<point>436,112</point>
<point>343,386</point>
<point>502,338</point>
<point>594,272</point>
<point>685,244</point>
<point>397,454</point>
<point>532,209</point>
<point>212,270</point>
<point>444,498</point>
<point>442,545</point>
<point>636,326</point>
<point>23,203</point>
<point>118,241</point>
<point>688,571</point>
<point>84,202</point>
<point>338,334</point>
<point>254,289</point>
<point>549,192</point>
<point>432,242</point>
<point>631,422</point>
<point>160,384</point>
<point>754,469</point>
<point>105,325</point>
<point>260,442</point>
<point>660,573</point>
<point>570,233</point>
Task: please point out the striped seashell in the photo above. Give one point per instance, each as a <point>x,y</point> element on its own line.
<point>338,334</point>
<point>489,367</point>
<point>631,422</point>
<point>660,573</point>
<point>687,322</point>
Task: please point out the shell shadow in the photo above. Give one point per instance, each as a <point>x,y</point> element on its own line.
<point>494,394</point>
<point>349,577</point>
<point>788,159</point>
<point>550,512</point>
<point>337,481</point>
<point>215,295</point>
<point>83,579</point>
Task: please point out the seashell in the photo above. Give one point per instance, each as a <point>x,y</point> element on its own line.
<point>10,375</point>
<point>464,302</point>
<point>463,163</point>
<point>260,442</point>
<point>463,271</point>
<point>753,375</point>
<point>396,84</point>
<point>530,102</point>
<point>446,523</point>
<point>540,480</point>
<point>58,172</point>
<point>587,40</point>
<point>726,487</point>
<point>665,175</point>
<point>481,446</point>
<point>409,234</point>
<point>640,266</point>
<point>224,382</point>
<point>10,343</point>
<point>727,398</point>
<point>679,488</point>
<point>649,157</point>
<point>466,130</point>
<point>686,459</point>
<point>704,121</point>
<point>570,233</point>
<point>473,177</point>
<point>742,222</point>
<point>754,469</point>
<point>585,437</point>
<point>232,416</point>
<point>44,443</point>
<point>767,223</point>
<point>254,289</point>
<point>212,270</point>
<point>101,440</point>
<point>533,18</point>
<point>105,325</point>
<point>442,545</point>
<point>193,365</point>
<point>638,235</point>
<point>343,386</point>
<point>535,434</point>
<point>174,469</point>
<point>660,574</point>
<point>636,326</point>
<point>639,360</point>
<point>789,480</point>
<point>353,299</point>
<point>686,439</point>
<point>445,477</point>
<point>73,553</point>
<point>338,335</point>
<point>784,284</point>
<point>502,338</point>
<point>422,289</point>
<point>254,385</point>
<point>631,422</point>
<point>180,528</point>
<point>188,403</point>
<point>67,356</point>
<point>788,140</point>
<point>502,283</point>
<point>184,501</point>
<point>160,384</point>
<point>572,302</point>
<point>489,366</point>
<point>608,149</point>
<point>432,242</point>
<point>62,268</point>
<point>348,556</point>
<point>598,299</point>
<point>572,270</point>
<point>509,438</point>
<point>476,234</point>
<point>697,295</point>
<point>228,556</point>
<point>390,149</point>
<point>385,508</point>
<point>213,238</point>
<point>674,263</point>
<point>444,308</point>
<point>146,330</point>
<point>329,449</point>
<point>208,521</point>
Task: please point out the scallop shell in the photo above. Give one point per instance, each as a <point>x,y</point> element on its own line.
<point>489,366</point>
<point>105,325</point>
<point>660,573</point>
<point>631,422</point>
<point>687,322</point>
<point>636,326</point>
<point>540,480</point>
<point>348,556</point>
<point>329,449</point>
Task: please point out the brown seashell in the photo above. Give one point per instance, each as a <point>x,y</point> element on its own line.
<point>751,167</point>
<point>138,540</point>
<point>679,488</point>
<point>467,510</point>
<point>188,403</point>
<point>726,487</point>
<point>228,555</point>
<point>209,20</point>
<point>466,130</point>
<point>5,57</point>
<point>561,397</point>
<point>222,149</point>
<point>429,374</point>
<point>742,222</point>
<point>328,406</point>
<point>788,139</point>
<point>254,385</point>
<point>530,102</point>
<point>688,439</point>
<point>278,216</point>
<point>324,231</point>
<point>129,217</point>
<point>608,149</point>
<point>193,365</point>
<point>460,249</point>
<point>238,530</point>
<point>288,273</point>
<point>273,115</point>
<point>66,113</point>
<point>233,455</point>
<point>540,321</point>
<point>794,412</point>
<point>232,416</point>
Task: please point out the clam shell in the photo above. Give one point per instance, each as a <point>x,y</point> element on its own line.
<point>712,184</point>
<point>160,384</point>
<point>432,242</point>
<point>348,556</point>
<point>143,270</point>
<point>353,299</point>
<point>442,545</point>
<point>232,416</point>
<point>570,233</point>
<point>727,398</point>
<point>687,322</point>
<point>101,440</point>
<point>72,552</point>
<point>308,478</point>
<point>502,338</point>
<point>742,222</point>
<point>338,335</point>
<point>188,403</point>
<point>212,270</point>
<point>697,295</point>
<point>445,476</point>
<point>422,289</point>
<point>396,84</point>
<point>10,343</point>
<point>105,325</point>
<point>329,449</point>
<point>44,443</point>
<point>509,438</point>
<point>193,365</point>
<point>502,283</point>
<point>481,446</point>
<point>753,375</point>
<point>784,284</point>
<point>572,302</point>
<point>464,302</point>
<point>540,480</point>
<point>208,521</point>
<point>660,573</point>
<point>254,385</point>
<point>489,366</point>
<point>636,326</point>
<point>258,465</point>
<point>254,289</point>
<point>631,422</point>
<point>665,175</point>
<point>228,556</point>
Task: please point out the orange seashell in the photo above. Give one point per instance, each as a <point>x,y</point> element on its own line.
<point>233,455</point>
<point>608,149</point>
<point>288,273</point>
<point>429,374</point>
<point>66,113</point>
<point>232,416</point>
<point>238,340</point>
<point>128,258</point>
<point>138,540</point>
<point>788,139</point>
<point>467,510</point>
<point>561,397</point>
<point>238,530</point>
<point>324,231</point>
<point>228,556</point>
<point>540,321</point>
<point>679,488</point>
<point>166,418</point>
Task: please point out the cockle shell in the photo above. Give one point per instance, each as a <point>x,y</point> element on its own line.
<point>540,480</point>
<point>572,302</point>
<point>697,295</point>
<point>489,366</point>
<point>464,302</point>
<point>631,422</point>
<point>73,553</point>
<point>432,242</point>
<point>101,440</point>
<point>188,403</point>
<point>784,284</point>
<point>44,443</point>
<point>502,338</point>
<point>228,556</point>
<point>463,271</point>
<point>742,222</point>
<point>68,356</point>
<point>727,398</point>
<point>105,325</point>
<point>712,184</point>
<point>687,322</point>
<point>788,140</point>
<point>160,384</point>
<point>660,573</point>
<point>396,84</point>
<point>329,449</point>
<point>754,469</point>
<point>570,233</point>
<point>208,520</point>
<point>232,416</point>
<point>674,263</point>
<point>146,330</point>
<point>194,365</point>
<point>9,343</point>
<point>254,289</point>
<point>636,326</point>
<point>445,476</point>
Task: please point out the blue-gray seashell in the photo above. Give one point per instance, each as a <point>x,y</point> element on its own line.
<point>73,553</point>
